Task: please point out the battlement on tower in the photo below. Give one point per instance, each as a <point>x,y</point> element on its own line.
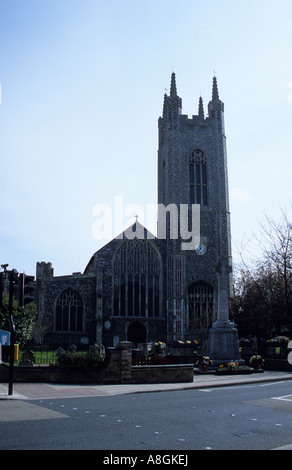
<point>194,122</point>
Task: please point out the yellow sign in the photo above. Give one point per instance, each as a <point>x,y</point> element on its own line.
<point>16,352</point>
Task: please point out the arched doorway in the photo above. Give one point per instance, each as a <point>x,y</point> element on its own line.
<point>137,332</point>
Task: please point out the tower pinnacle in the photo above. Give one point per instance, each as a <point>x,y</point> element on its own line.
<point>201,108</point>
<point>173,91</point>
<point>215,94</point>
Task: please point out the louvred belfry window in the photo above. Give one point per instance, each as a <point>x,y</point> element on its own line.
<point>198,178</point>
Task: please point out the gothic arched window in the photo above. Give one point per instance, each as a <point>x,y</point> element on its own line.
<point>137,278</point>
<point>200,306</point>
<point>69,312</point>
<point>198,178</point>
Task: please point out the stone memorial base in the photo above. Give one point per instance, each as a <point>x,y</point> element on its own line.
<point>223,343</point>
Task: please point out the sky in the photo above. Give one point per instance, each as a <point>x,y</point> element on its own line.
<point>81,91</point>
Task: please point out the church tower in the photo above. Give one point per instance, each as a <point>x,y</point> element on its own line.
<point>193,201</point>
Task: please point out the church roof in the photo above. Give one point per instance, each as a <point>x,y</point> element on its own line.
<point>136,230</point>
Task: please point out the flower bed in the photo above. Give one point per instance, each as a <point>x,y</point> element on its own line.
<point>233,368</point>
<point>184,344</point>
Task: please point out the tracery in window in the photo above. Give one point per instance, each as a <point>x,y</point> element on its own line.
<point>69,312</point>
<point>136,280</point>
<point>198,178</point>
<point>200,306</point>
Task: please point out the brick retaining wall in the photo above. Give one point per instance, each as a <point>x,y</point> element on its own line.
<point>173,373</point>
<point>118,369</point>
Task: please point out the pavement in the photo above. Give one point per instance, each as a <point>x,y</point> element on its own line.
<point>32,391</point>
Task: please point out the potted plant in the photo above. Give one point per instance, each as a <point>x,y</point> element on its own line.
<point>205,362</point>
<point>256,362</point>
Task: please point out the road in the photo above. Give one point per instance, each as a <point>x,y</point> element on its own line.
<point>242,417</point>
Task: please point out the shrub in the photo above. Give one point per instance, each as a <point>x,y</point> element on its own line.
<point>93,359</point>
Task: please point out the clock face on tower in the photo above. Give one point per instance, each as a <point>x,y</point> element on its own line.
<point>201,249</point>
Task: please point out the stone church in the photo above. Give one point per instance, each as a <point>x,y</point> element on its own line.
<point>145,288</point>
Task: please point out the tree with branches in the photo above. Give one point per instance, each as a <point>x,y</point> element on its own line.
<point>262,302</point>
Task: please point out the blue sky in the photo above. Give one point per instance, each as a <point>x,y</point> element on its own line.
<point>82,89</point>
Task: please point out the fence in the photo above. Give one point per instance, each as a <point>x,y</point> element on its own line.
<point>37,355</point>
<point>116,369</point>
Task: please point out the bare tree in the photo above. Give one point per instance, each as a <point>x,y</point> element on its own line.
<point>262,303</point>
<point>40,329</point>
<point>278,255</point>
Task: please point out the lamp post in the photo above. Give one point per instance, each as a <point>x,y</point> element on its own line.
<point>12,277</point>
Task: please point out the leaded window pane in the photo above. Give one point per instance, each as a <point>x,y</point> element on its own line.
<point>69,312</point>
<point>156,296</point>
<point>130,295</point>
<point>135,266</point>
<point>143,296</point>
<point>123,295</point>
<point>200,306</point>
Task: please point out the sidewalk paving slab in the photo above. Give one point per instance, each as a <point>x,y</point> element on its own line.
<point>34,391</point>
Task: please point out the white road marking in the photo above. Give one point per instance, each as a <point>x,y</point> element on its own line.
<point>283,398</point>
